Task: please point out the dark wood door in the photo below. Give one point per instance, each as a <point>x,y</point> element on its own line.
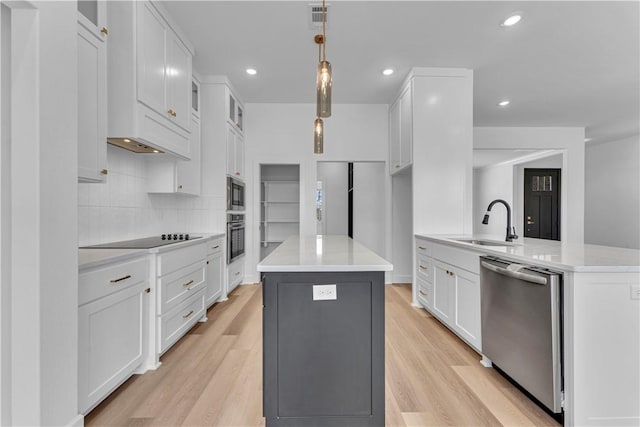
<point>542,203</point>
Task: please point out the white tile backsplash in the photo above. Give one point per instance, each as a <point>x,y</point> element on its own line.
<point>121,209</point>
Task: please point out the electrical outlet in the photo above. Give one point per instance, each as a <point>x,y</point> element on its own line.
<point>635,291</point>
<point>324,292</point>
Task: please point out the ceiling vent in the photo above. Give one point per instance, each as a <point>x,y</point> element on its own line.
<point>315,16</point>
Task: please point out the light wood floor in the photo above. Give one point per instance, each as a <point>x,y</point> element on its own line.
<point>213,376</point>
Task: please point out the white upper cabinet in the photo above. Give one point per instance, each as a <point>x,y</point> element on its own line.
<point>401,131</point>
<point>150,68</point>
<point>235,111</point>
<point>92,91</point>
<point>235,154</point>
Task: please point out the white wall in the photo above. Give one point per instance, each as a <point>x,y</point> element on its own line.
<point>612,193</point>
<point>402,227</point>
<point>41,201</point>
<point>283,133</point>
<point>121,209</point>
<point>369,205</point>
<point>568,140</point>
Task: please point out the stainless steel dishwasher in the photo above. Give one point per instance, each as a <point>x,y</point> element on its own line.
<point>522,326</point>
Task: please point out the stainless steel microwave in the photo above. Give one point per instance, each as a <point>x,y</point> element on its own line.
<point>235,194</point>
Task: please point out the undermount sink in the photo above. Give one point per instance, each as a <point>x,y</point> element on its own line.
<point>485,242</point>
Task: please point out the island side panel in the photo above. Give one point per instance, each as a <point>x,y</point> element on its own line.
<point>323,360</point>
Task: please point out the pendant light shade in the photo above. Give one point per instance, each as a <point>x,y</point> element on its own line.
<point>323,89</point>
<point>318,136</point>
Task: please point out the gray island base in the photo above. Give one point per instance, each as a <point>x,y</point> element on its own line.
<point>323,335</point>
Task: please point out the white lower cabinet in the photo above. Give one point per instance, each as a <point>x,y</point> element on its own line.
<point>235,274</point>
<point>111,328</point>
<point>181,284</point>
<point>214,272</point>
<point>449,292</point>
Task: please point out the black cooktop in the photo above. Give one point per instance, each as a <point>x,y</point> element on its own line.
<point>146,243</point>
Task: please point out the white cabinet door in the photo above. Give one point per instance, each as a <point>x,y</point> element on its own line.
<point>110,342</point>
<point>443,292</point>
<point>235,153</point>
<point>406,127</point>
<point>214,278</point>
<point>178,78</point>
<point>467,307</point>
<point>394,137</point>
<point>188,172</point>
<point>92,104</point>
<point>152,33</point>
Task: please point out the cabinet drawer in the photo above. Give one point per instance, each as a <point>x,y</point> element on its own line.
<point>425,293</point>
<point>424,268</point>
<point>423,247</point>
<point>178,321</point>
<point>235,274</point>
<point>94,284</point>
<point>179,285</point>
<point>215,246</point>
<point>174,260</point>
<point>461,258</point>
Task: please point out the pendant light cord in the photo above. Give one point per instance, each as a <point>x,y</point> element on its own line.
<point>324,34</point>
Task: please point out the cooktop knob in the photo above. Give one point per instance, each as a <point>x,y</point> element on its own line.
<point>181,237</point>
<point>186,237</point>
<point>175,237</point>
<point>164,237</point>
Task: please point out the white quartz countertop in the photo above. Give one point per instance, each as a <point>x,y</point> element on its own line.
<point>88,258</point>
<point>552,254</point>
<point>322,253</point>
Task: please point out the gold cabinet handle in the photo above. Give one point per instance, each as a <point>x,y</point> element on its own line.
<point>215,247</point>
<point>188,283</point>
<point>422,292</point>
<point>172,112</point>
<point>450,273</point>
<point>237,273</point>
<point>128,276</point>
<point>104,171</point>
<point>180,187</point>
<point>104,31</point>
<point>187,315</point>
<point>422,248</point>
<point>422,267</point>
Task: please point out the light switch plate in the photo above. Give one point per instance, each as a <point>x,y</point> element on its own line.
<point>324,292</point>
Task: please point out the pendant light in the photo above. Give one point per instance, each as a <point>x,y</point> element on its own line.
<point>318,136</point>
<point>323,80</point>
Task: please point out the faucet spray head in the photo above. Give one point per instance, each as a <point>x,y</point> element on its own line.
<point>485,220</point>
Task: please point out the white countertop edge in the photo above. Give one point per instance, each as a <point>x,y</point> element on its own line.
<point>488,250</point>
<point>321,268</point>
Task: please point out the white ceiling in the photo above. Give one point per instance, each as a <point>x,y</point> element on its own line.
<point>567,63</point>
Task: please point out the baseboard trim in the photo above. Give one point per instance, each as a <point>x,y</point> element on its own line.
<point>77,421</point>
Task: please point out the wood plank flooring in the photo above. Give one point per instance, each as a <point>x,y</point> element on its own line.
<point>213,376</point>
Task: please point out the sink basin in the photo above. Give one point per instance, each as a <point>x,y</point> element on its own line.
<point>485,242</point>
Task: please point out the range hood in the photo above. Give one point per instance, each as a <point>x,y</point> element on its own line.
<point>133,145</point>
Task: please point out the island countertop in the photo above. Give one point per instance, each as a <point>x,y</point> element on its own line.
<point>322,253</point>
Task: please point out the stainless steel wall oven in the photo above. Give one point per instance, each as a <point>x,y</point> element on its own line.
<point>235,237</point>
<point>235,194</point>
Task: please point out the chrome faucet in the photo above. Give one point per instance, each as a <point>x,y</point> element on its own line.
<point>511,231</point>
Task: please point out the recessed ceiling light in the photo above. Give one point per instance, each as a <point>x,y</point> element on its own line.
<point>504,103</point>
<point>512,20</point>
<point>387,71</point>
<point>252,71</point>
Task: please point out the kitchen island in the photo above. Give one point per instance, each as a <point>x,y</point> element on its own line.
<point>323,333</point>
<point>600,307</point>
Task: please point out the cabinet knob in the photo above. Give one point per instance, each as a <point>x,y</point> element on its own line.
<point>180,187</point>
<point>171,112</point>
<point>104,171</point>
<point>238,173</point>
<point>104,31</point>
<point>397,166</point>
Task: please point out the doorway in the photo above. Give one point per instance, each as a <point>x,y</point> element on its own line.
<point>350,200</point>
<point>542,203</point>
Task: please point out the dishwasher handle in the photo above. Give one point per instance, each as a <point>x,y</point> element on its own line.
<point>515,274</point>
